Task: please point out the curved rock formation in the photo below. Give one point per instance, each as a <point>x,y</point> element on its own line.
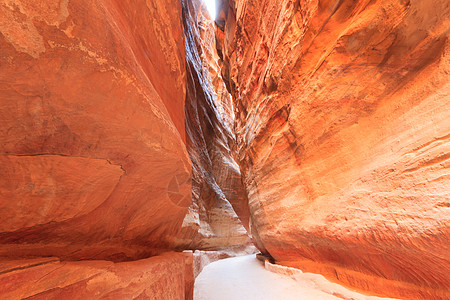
<point>92,128</point>
<point>94,154</point>
<point>125,127</point>
<point>156,278</point>
<point>219,215</point>
<point>343,126</point>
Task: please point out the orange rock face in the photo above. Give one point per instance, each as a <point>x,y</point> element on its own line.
<point>159,277</point>
<point>343,126</point>
<point>92,127</point>
<point>219,215</point>
<point>119,140</point>
<point>94,151</point>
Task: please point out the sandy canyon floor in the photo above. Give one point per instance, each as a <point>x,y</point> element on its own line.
<point>245,278</point>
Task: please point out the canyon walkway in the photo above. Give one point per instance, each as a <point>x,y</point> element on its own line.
<point>245,278</point>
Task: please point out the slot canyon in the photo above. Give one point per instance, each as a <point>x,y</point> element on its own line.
<point>144,141</point>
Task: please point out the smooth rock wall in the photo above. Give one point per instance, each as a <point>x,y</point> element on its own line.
<point>219,215</point>
<point>158,277</point>
<point>94,141</point>
<point>92,155</point>
<point>343,129</point>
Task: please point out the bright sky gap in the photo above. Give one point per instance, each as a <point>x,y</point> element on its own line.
<point>211,6</point>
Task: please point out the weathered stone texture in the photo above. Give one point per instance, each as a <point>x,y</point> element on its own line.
<point>91,128</point>
<point>159,277</point>
<point>219,215</point>
<point>343,127</point>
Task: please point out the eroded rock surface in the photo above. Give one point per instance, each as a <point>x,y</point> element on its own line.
<point>343,127</point>
<point>92,127</point>
<point>219,215</point>
<point>158,277</point>
<point>340,127</point>
<point>94,151</point>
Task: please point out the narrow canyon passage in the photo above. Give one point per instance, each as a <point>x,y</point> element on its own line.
<point>143,141</point>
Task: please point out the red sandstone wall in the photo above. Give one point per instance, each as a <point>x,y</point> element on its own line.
<point>91,128</point>
<point>218,215</point>
<point>93,150</point>
<point>343,126</point>
<point>159,277</point>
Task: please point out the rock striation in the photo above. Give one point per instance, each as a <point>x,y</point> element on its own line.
<point>103,163</point>
<point>343,132</point>
<point>129,129</point>
<point>218,215</point>
<point>158,277</point>
<point>92,128</point>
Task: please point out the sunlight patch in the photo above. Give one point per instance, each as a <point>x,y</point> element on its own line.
<point>211,6</point>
